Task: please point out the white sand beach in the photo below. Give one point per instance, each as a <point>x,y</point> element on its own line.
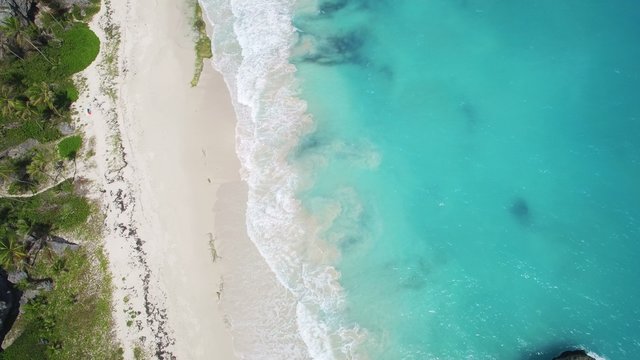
<point>163,149</point>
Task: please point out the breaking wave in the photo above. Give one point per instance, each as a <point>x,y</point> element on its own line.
<point>252,45</point>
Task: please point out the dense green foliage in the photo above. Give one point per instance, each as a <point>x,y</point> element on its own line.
<point>75,48</point>
<point>80,46</point>
<point>12,253</point>
<point>73,320</point>
<point>69,147</point>
<point>36,89</point>
<point>39,52</point>
<point>29,129</point>
<point>58,209</point>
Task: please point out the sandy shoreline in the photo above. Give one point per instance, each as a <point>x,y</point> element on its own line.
<point>188,282</point>
<point>163,150</point>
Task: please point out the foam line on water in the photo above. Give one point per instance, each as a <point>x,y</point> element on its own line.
<point>252,41</point>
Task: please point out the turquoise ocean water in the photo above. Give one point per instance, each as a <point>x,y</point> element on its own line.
<point>444,179</point>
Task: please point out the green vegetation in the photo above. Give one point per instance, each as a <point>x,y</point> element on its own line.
<point>138,353</point>
<point>109,64</point>
<point>12,253</point>
<point>36,90</point>
<point>69,147</point>
<point>86,13</point>
<point>72,321</point>
<point>69,317</point>
<point>73,50</point>
<point>39,168</point>
<point>203,44</point>
<point>59,209</point>
<point>80,46</point>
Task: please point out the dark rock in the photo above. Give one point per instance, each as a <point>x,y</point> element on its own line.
<point>31,293</point>
<point>9,304</point>
<point>520,210</point>
<point>338,49</point>
<point>28,295</point>
<point>470,114</point>
<point>66,129</point>
<point>20,150</point>
<point>33,246</point>
<point>329,7</point>
<point>16,276</point>
<point>23,9</point>
<point>59,245</point>
<point>574,355</point>
<point>44,285</point>
<point>29,240</point>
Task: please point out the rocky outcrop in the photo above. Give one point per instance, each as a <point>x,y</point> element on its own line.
<point>574,355</point>
<point>22,9</point>
<point>55,244</point>
<point>16,276</point>
<point>33,246</point>
<point>70,3</point>
<point>36,287</point>
<point>9,304</point>
<point>59,245</point>
<point>12,300</point>
<point>66,129</point>
<point>20,150</point>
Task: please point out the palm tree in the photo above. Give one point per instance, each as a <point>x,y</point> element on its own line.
<point>22,109</point>
<point>4,43</point>
<point>37,168</point>
<point>12,52</point>
<point>6,170</point>
<point>12,253</point>
<point>54,19</point>
<point>42,94</point>
<point>23,228</point>
<point>6,94</point>
<point>13,30</point>
<point>20,35</point>
<point>14,108</point>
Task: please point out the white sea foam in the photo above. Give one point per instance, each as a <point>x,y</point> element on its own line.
<point>596,356</point>
<point>252,42</point>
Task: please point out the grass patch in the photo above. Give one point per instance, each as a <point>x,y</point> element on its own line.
<point>77,48</point>
<point>203,43</point>
<point>72,213</point>
<point>72,321</point>
<point>80,46</point>
<point>68,91</point>
<point>58,209</point>
<point>28,129</point>
<point>138,353</point>
<point>69,147</point>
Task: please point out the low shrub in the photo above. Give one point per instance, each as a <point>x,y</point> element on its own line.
<point>80,46</point>
<point>69,147</point>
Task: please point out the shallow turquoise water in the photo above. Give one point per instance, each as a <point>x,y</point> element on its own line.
<point>476,163</point>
